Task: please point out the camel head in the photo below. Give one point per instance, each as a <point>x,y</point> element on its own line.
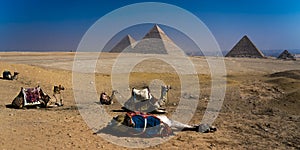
<point>58,89</point>
<point>164,94</point>
<point>166,88</point>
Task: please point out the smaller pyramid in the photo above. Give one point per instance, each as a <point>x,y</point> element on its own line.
<point>286,55</point>
<point>123,44</point>
<point>245,48</point>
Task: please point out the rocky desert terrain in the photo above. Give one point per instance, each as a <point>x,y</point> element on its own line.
<point>260,109</point>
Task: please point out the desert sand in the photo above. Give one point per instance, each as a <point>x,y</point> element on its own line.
<point>260,109</point>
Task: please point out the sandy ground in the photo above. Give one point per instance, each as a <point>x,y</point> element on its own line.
<point>260,109</point>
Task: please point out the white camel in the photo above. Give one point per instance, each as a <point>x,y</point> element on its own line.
<point>143,100</point>
<point>163,96</point>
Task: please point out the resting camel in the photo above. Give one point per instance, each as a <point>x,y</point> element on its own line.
<point>36,97</point>
<point>143,100</point>
<point>31,97</point>
<point>7,75</point>
<point>107,100</point>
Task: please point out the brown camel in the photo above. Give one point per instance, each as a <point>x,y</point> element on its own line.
<point>31,97</point>
<point>107,100</point>
<point>7,75</point>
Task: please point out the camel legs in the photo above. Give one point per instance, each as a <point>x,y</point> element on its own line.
<point>58,99</point>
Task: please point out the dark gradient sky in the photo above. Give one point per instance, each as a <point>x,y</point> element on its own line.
<point>59,25</point>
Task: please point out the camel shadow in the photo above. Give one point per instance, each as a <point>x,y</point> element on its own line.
<point>124,109</point>
<point>10,106</point>
<point>1,78</point>
<point>111,131</point>
<point>119,110</point>
<point>128,133</point>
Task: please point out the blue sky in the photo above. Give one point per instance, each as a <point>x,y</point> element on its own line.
<point>59,25</point>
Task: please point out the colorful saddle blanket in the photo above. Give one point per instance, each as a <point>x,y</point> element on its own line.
<point>32,95</point>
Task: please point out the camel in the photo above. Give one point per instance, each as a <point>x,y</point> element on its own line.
<point>107,100</point>
<point>143,100</point>
<point>36,97</point>
<point>163,96</point>
<point>7,75</point>
<point>31,97</point>
<point>57,94</point>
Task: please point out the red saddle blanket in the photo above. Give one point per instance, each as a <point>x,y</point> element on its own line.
<point>32,94</point>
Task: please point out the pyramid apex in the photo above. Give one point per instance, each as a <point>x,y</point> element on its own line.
<point>156,29</point>
<point>156,26</point>
<point>128,35</point>
<point>130,38</point>
<point>245,37</point>
<point>156,42</point>
<point>156,32</point>
<point>123,44</point>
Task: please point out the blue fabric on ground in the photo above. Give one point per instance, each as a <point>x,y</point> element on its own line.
<point>139,123</point>
<point>153,125</point>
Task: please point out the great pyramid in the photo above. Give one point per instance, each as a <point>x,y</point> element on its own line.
<point>286,55</point>
<point>123,44</point>
<point>156,42</point>
<point>245,48</point>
